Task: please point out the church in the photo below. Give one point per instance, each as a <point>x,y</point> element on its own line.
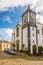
<point>28,32</point>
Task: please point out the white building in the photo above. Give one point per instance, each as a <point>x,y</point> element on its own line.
<point>28,32</point>
<point>40,33</point>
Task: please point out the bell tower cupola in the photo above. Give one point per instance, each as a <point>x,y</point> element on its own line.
<point>29,16</point>
<point>29,30</point>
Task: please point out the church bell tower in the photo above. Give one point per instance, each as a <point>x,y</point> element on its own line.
<point>29,31</point>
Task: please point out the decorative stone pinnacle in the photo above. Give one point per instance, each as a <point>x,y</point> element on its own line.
<point>28,8</point>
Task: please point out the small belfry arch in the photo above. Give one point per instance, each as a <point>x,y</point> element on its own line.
<point>17,45</point>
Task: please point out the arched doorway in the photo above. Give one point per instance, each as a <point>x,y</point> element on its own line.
<point>34,49</point>
<point>17,45</point>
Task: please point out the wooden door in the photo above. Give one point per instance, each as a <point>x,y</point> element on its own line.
<point>34,50</point>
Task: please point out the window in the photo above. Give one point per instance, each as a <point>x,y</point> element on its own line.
<point>33,35</point>
<point>32,28</point>
<point>42,31</point>
<point>17,31</point>
<point>38,31</point>
<point>32,16</point>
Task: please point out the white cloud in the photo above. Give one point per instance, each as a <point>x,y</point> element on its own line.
<point>4,4</point>
<point>39,18</point>
<point>8,19</point>
<point>5,34</point>
<point>15,3</point>
<point>37,4</point>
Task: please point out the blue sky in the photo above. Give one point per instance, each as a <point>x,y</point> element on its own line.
<point>11,13</point>
<point>9,19</point>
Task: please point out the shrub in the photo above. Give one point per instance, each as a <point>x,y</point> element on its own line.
<point>40,49</point>
<point>26,52</point>
<point>29,54</point>
<point>23,46</point>
<point>13,45</point>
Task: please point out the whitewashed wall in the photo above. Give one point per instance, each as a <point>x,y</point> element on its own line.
<point>19,38</point>
<point>13,36</point>
<point>32,37</point>
<point>13,39</point>
<point>25,37</point>
<point>28,16</point>
<point>40,36</point>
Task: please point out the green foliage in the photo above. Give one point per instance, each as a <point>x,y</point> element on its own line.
<point>13,45</point>
<point>27,53</point>
<point>25,49</point>
<point>23,46</point>
<point>40,49</point>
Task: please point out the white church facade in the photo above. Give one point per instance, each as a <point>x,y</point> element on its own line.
<point>28,32</point>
